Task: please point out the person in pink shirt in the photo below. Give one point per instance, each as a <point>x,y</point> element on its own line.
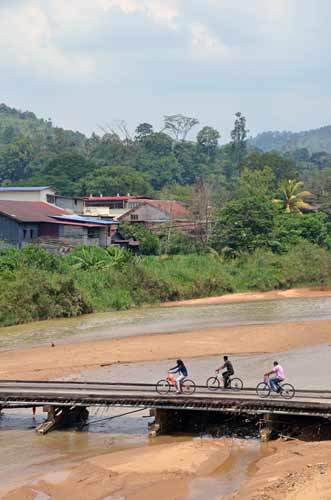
<point>279,376</point>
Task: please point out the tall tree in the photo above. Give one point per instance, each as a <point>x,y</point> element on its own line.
<point>291,199</point>
<point>143,130</point>
<point>178,126</point>
<point>239,141</point>
<point>207,140</point>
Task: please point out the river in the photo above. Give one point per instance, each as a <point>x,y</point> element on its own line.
<point>25,454</point>
<point>150,320</point>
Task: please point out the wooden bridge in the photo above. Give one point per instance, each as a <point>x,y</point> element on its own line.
<point>60,399</point>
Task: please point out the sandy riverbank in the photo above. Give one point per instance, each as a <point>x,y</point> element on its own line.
<point>159,471</point>
<point>293,293</point>
<point>297,470</point>
<point>41,363</point>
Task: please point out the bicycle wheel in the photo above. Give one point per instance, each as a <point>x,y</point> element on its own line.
<point>262,390</point>
<point>188,387</point>
<point>287,391</point>
<point>213,383</point>
<point>236,384</point>
<point>163,386</point>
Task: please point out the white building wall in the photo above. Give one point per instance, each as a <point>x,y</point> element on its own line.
<point>26,195</point>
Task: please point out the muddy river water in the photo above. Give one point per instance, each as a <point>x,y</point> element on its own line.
<point>24,453</point>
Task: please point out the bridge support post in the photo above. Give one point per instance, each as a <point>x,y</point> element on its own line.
<point>267,427</point>
<point>62,417</point>
<point>164,422</point>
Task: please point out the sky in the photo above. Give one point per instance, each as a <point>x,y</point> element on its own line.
<point>88,63</point>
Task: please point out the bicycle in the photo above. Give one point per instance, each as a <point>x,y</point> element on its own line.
<point>164,386</point>
<point>263,389</point>
<point>214,383</point>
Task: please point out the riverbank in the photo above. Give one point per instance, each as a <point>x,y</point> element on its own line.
<point>36,285</point>
<point>292,293</point>
<point>60,360</point>
<point>297,470</point>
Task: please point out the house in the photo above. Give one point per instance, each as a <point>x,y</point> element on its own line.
<point>23,222</point>
<point>153,213</point>
<point>139,209</point>
<point>44,194</point>
<point>73,204</point>
<point>111,206</point>
<point>31,193</point>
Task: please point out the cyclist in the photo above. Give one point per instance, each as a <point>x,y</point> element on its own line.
<point>279,376</point>
<point>181,369</point>
<point>229,371</point>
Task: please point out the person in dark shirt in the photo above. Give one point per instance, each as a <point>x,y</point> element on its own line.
<point>181,369</point>
<point>229,371</point>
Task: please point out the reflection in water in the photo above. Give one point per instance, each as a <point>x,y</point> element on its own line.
<point>149,320</point>
<point>25,453</point>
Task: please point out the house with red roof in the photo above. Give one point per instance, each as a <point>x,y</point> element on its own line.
<point>24,222</point>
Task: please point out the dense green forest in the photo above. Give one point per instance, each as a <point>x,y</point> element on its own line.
<point>159,163</point>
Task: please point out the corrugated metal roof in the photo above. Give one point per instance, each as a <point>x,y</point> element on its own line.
<point>38,211</point>
<point>88,220</point>
<point>24,188</point>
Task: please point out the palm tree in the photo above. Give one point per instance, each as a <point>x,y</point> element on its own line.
<point>291,199</point>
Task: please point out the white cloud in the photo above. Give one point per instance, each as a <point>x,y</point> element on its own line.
<point>27,42</point>
<point>173,49</point>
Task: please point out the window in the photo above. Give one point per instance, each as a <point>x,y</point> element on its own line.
<point>24,234</point>
<point>31,234</point>
<point>93,233</point>
<point>50,199</point>
<point>116,204</point>
<point>134,217</point>
<point>75,202</point>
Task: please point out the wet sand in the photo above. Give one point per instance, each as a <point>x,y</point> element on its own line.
<point>298,470</point>
<point>162,471</point>
<point>40,363</point>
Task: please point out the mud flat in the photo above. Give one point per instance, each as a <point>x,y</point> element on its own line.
<point>160,471</point>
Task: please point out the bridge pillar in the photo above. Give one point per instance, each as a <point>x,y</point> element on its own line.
<point>266,426</point>
<point>165,421</point>
<point>64,416</point>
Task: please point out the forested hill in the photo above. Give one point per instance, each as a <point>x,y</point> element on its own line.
<point>152,162</point>
<point>315,140</point>
<point>14,123</point>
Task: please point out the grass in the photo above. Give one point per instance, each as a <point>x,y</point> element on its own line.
<point>36,287</point>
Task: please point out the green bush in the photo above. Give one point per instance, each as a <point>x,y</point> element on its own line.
<point>31,295</point>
